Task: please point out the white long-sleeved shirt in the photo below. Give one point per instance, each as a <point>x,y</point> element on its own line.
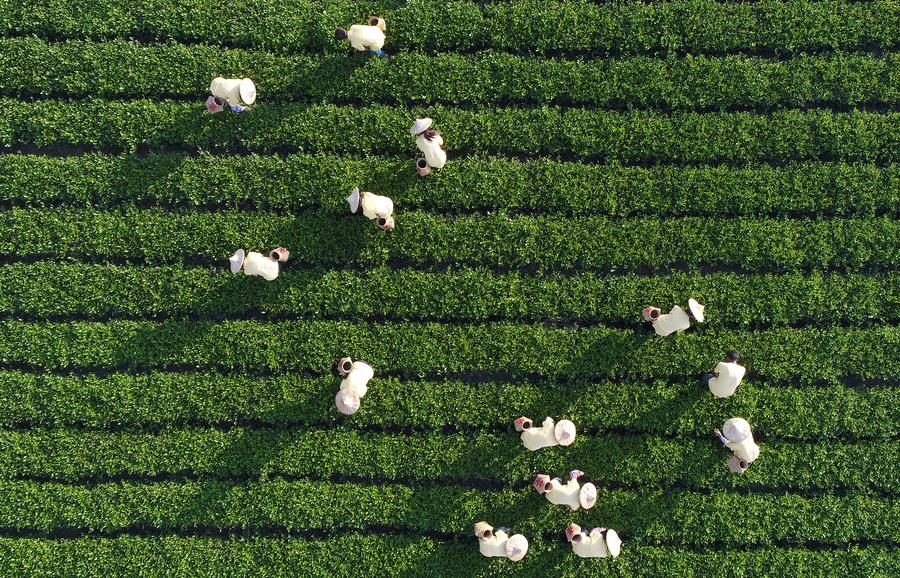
<point>746,449</point>
<point>375,206</point>
<point>364,37</point>
<point>435,156</point>
<point>358,378</point>
<point>536,438</point>
<point>495,545</point>
<point>675,320</point>
<point>730,376</point>
<point>566,495</point>
<point>591,546</point>
<point>259,264</point>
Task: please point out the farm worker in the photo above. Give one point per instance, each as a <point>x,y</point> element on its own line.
<point>675,320</point>
<point>365,37</point>
<point>549,434</point>
<point>354,386</point>
<point>375,207</point>
<point>237,93</point>
<point>493,543</point>
<point>259,264</point>
<point>739,439</point>
<point>572,494</point>
<point>430,142</point>
<point>726,376</point>
<point>595,544</point>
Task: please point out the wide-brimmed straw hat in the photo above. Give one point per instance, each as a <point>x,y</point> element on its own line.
<point>347,401</point>
<point>696,309</point>
<point>613,542</point>
<point>247,91</point>
<point>236,260</point>
<point>420,126</point>
<point>353,199</point>
<point>564,432</point>
<point>587,497</point>
<point>516,547</point>
<point>736,429</point>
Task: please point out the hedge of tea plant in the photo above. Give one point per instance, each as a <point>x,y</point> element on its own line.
<point>160,416</point>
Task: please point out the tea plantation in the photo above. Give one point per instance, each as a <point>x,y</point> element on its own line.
<point>160,416</point>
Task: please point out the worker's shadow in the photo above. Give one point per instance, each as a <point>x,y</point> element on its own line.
<point>665,421</point>
<point>200,340</point>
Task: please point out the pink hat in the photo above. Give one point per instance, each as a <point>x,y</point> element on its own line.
<point>347,401</point>
<point>522,423</point>
<point>564,432</point>
<point>588,496</point>
<point>540,481</point>
<point>648,313</point>
<point>572,530</point>
<point>212,104</point>
<point>516,547</point>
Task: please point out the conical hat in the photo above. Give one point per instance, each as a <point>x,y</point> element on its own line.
<point>516,547</point>
<point>736,429</point>
<point>347,401</point>
<point>237,260</point>
<point>564,432</point>
<point>421,125</point>
<point>696,309</point>
<point>248,91</point>
<point>353,199</point>
<point>613,542</point>
<point>588,496</point>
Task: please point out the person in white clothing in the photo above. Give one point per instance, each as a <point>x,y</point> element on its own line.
<point>549,434</point>
<point>237,93</point>
<point>376,207</point>
<point>354,386</point>
<point>259,264</point>
<point>675,320</point>
<point>571,494</point>
<point>431,143</point>
<point>496,543</point>
<point>365,37</point>
<point>739,439</point>
<point>595,544</point>
<point>727,375</point>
